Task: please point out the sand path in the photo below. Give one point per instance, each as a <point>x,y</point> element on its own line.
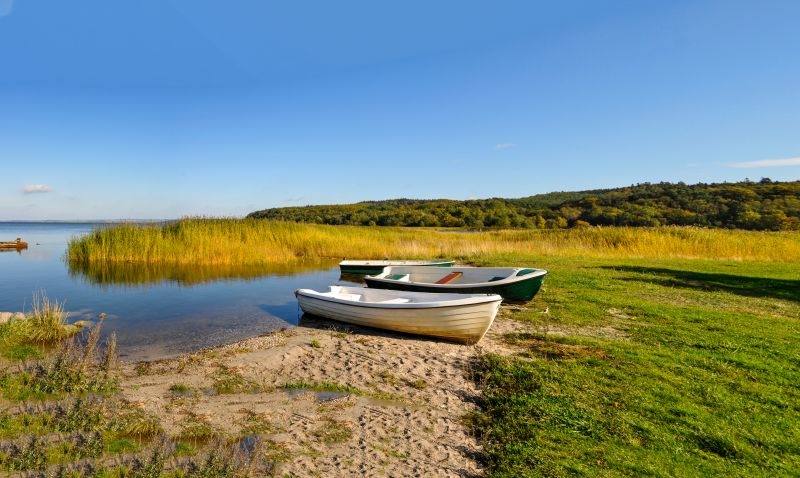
<point>405,419</point>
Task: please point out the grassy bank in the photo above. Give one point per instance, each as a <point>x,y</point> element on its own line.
<point>243,242</point>
<point>649,368</point>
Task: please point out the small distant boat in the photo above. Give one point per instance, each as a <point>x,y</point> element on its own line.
<point>18,244</point>
<point>376,266</point>
<point>512,283</point>
<point>456,317</point>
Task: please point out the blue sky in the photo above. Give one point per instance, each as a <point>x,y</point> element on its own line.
<point>170,108</point>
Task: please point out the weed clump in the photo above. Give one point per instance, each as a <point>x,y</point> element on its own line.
<point>61,417</point>
<point>45,325</point>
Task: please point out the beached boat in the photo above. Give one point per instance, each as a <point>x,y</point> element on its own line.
<point>513,283</point>
<point>18,244</point>
<point>376,266</point>
<point>456,317</point>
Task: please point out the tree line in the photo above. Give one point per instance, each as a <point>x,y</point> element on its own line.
<point>765,205</point>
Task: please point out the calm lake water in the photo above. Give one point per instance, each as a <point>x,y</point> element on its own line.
<point>156,312</point>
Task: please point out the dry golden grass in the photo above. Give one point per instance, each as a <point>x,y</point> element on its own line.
<point>260,242</point>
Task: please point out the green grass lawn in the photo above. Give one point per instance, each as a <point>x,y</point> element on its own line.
<point>650,367</point>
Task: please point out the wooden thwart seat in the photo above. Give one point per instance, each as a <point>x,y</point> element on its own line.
<point>398,300</point>
<point>449,278</point>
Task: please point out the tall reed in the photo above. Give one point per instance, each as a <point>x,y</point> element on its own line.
<point>207,241</point>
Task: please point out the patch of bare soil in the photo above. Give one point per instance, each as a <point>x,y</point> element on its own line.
<point>402,417</point>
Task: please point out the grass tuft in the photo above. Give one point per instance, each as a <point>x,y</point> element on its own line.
<point>47,320</point>
<point>229,381</point>
<point>44,325</point>
<point>334,431</point>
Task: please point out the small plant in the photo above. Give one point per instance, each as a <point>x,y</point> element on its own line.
<point>154,466</point>
<point>179,388</point>
<point>136,423</point>
<point>230,381</point>
<point>388,377</point>
<point>45,325</point>
<point>110,356</point>
<point>322,387</point>
<point>47,320</point>
<point>419,384</point>
<point>391,452</point>
<point>84,415</point>
<point>12,334</point>
<point>71,369</point>
<point>254,423</point>
<point>315,344</point>
<point>30,457</point>
<point>184,449</point>
<point>334,431</point>
<point>143,368</point>
<point>85,445</point>
<point>88,357</point>
<point>197,429</point>
<point>122,445</point>
<point>20,353</point>
<point>217,463</point>
<point>363,340</point>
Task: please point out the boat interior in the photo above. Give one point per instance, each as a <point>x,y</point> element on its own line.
<point>461,275</point>
<point>385,296</point>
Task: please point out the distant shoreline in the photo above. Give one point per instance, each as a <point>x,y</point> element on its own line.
<point>85,221</point>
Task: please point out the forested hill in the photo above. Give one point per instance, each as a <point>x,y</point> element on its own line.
<point>763,205</point>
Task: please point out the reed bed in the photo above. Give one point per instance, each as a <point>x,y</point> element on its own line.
<point>260,242</point>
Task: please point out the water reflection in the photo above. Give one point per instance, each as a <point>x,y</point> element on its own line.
<point>357,278</point>
<point>133,274</point>
<point>12,249</point>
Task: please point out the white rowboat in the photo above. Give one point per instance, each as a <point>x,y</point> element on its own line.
<point>461,318</point>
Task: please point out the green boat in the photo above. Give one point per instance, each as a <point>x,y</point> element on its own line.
<point>377,266</point>
<point>514,284</point>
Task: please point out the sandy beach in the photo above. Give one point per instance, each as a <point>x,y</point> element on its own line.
<point>405,419</point>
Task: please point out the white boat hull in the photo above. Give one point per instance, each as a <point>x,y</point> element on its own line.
<point>456,317</point>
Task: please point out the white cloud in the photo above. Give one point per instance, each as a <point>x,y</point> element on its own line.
<point>767,163</point>
<point>36,188</point>
<point>504,145</point>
